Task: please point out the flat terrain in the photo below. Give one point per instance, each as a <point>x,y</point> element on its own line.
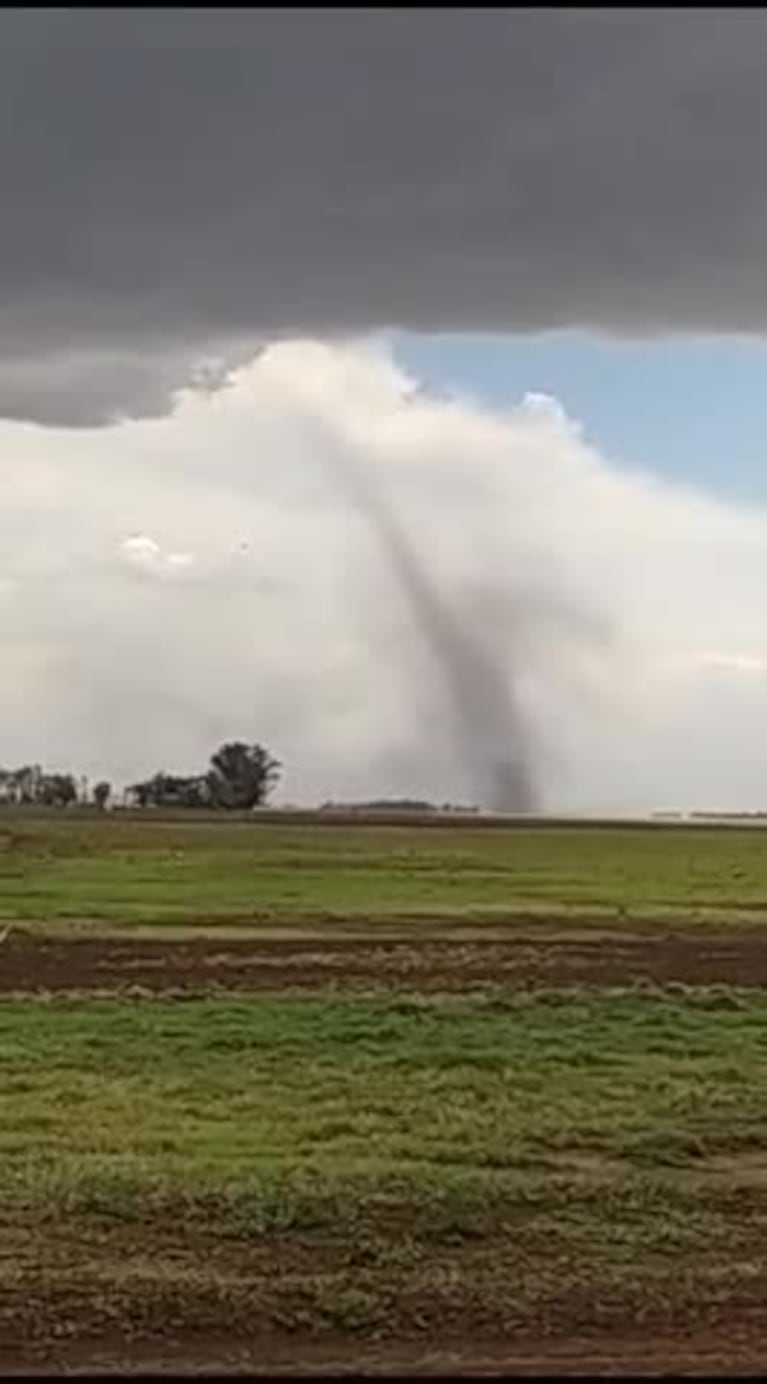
<point>282,1096</point>
<point>533,957</point>
<point>135,873</point>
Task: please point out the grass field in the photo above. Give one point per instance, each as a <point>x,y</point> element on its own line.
<point>134,873</point>
<point>501,1094</point>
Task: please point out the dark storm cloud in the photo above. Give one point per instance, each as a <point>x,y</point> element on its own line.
<point>171,179</point>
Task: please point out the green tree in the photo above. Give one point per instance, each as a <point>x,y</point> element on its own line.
<point>242,776</point>
<point>173,790</point>
<point>102,792</point>
<point>26,784</point>
<point>56,790</point>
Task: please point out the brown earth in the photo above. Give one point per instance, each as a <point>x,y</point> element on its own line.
<point>537,958</point>
<point>79,1296</point>
<point>74,1333</point>
<point>732,1353</point>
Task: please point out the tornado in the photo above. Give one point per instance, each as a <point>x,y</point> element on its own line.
<point>488,726</point>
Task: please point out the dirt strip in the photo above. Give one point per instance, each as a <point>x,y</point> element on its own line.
<point>734,1349</point>
<point>31,963</point>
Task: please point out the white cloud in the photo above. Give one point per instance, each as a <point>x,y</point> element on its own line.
<point>169,582</point>
<point>736,663</point>
<point>143,553</point>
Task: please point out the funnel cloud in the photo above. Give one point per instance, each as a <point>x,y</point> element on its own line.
<point>488,727</point>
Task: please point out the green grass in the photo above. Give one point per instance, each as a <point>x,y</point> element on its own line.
<point>130,873</point>
<point>357,1164</point>
<point>354,1162</point>
<point>219,1090</point>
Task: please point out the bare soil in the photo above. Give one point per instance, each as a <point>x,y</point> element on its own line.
<point>734,1352</point>
<point>30,963</point>
<point>283,1298</point>
<point>732,1345</point>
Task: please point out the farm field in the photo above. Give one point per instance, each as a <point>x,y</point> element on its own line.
<point>398,1097</point>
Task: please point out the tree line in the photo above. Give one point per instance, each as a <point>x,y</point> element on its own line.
<point>239,777</point>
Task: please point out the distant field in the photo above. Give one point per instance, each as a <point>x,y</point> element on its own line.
<point>331,1094</point>
<point>132,872</point>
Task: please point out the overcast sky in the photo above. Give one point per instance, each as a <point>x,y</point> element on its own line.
<point>191,193</point>
<point>176,182</point>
